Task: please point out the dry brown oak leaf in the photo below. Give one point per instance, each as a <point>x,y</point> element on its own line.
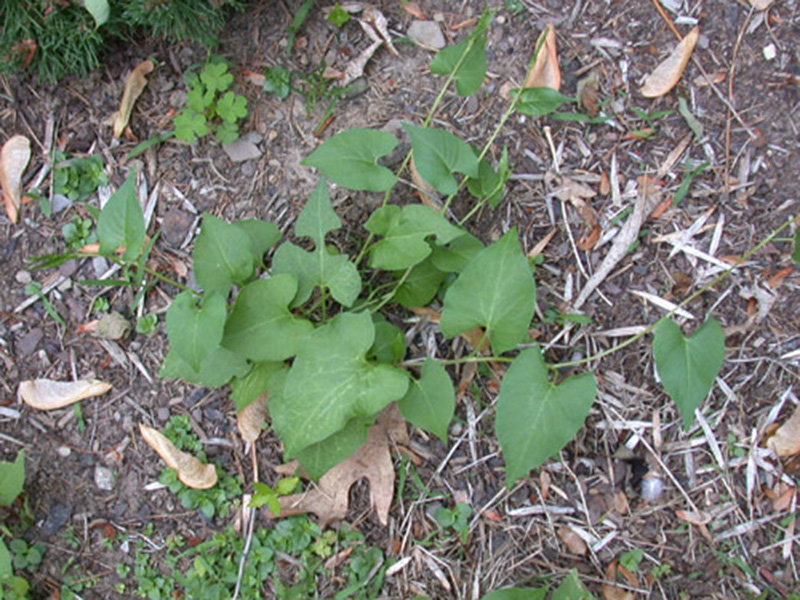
<point>330,498</point>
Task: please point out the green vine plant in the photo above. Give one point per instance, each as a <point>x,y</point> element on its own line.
<point>318,330</point>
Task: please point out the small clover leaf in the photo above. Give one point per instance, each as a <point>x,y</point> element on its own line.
<point>216,77</point>
<point>232,107</point>
<point>196,99</point>
<point>190,125</point>
<point>227,132</point>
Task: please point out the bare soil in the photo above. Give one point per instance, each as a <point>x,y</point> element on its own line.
<point>721,528</point>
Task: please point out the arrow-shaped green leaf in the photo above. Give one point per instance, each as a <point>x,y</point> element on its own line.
<point>688,366</point>
<point>495,290</point>
<point>438,154</point>
<point>222,255</point>
<point>536,418</point>
<point>261,327</point>
<point>195,330</point>
<point>121,222</point>
<point>430,401</point>
<point>350,158</point>
<point>320,267</point>
<point>404,233</point>
<point>331,382</point>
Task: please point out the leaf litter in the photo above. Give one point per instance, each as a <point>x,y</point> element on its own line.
<point>669,72</point>
<point>191,471</point>
<point>14,158</point>
<point>46,394</point>
<point>134,86</point>
<point>330,498</point>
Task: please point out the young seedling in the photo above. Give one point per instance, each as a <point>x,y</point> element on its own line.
<point>211,107</point>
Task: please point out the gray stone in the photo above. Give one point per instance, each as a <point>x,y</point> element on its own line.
<point>57,517</point>
<point>427,34</point>
<point>59,202</point>
<point>104,478</point>
<point>241,150</point>
<point>99,265</point>
<point>27,344</point>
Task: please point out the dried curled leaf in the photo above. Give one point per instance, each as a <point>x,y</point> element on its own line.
<point>190,470</point>
<point>329,501</point>
<point>252,418</point>
<point>427,193</point>
<point>667,74</point>
<point>46,394</point>
<point>134,87</point>
<point>545,71</point>
<point>761,4</point>
<point>786,440</point>
<point>14,159</point>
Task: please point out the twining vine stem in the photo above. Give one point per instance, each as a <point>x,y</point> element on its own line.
<point>472,358</point>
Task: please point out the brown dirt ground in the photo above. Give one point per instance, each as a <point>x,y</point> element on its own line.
<point>717,471</point>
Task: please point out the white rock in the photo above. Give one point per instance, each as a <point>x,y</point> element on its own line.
<point>103,478</point>
<point>242,150</point>
<point>427,34</point>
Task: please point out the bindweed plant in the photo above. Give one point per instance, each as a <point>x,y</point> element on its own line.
<point>319,329</point>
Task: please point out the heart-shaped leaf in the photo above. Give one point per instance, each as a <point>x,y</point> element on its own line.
<point>466,61</point>
<point>688,366</point>
<point>496,290</point>
<point>430,401</point>
<point>262,235</point>
<point>420,285</point>
<point>438,154</point>
<point>535,417</point>
<point>404,233</point>
<point>195,330</point>
<point>216,370</point>
<point>331,382</point>
<point>261,327</point>
<point>540,101</point>
<point>350,158</point>
<point>253,385</point>
<point>12,480</point>
<point>222,255</point>
<point>121,223</point>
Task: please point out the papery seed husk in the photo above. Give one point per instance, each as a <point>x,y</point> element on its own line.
<point>46,394</point>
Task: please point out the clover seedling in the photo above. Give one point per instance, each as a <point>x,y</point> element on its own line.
<point>211,107</point>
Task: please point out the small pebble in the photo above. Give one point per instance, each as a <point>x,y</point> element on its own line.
<point>63,451</point>
<point>652,487</point>
<point>103,478</point>
<point>427,34</point>
<point>241,150</point>
<point>23,277</point>
<point>57,517</point>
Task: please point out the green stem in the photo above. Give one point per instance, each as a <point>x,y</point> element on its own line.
<point>123,263</point>
<point>428,119</point>
<point>388,296</point>
<point>687,300</point>
<point>506,115</point>
<point>461,361</point>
